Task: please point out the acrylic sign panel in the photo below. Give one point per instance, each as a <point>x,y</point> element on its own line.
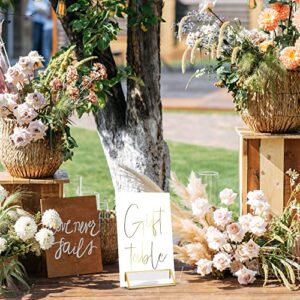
<point>77,248</point>
<point>144,233</point>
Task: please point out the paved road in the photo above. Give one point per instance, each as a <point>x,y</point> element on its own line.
<point>214,130</point>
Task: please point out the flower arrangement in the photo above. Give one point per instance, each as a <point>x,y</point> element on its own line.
<point>22,233</point>
<point>246,61</point>
<point>42,104</point>
<point>255,244</point>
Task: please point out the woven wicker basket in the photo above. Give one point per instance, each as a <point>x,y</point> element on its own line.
<point>36,160</point>
<point>109,238</point>
<point>275,114</point>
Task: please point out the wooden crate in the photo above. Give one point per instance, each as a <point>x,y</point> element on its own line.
<point>264,159</point>
<point>40,188</point>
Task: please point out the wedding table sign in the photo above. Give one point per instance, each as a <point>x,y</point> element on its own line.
<point>145,240</point>
<point>77,248</point>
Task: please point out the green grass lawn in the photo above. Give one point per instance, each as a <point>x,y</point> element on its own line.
<point>89,162</point>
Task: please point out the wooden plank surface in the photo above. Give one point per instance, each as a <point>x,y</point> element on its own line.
<point>243,174</point>
<point>246,133</point>
<point>189,286</point>
<point>59,177</point>
<point>272,172</point>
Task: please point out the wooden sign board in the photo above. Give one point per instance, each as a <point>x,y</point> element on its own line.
<point>77,248</point>
<point>145,240</point>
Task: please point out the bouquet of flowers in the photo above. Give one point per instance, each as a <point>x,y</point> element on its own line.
<point>255,244</point>
<point>22,233</point>
<point>246,61</point>
<point>42,104</point>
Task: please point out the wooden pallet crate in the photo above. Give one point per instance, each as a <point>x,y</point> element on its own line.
<point>264,160</point>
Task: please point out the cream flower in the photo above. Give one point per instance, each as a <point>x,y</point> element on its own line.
<point>245,276</point>
<point>37,129</point>
<point>3,193</point>
<point>21,137</point>
<point>247,251</point>
<point>3,244</point>
<point>51,219</point>
<point>45,237</point>
<point>296,19</point>
<point>204,267</point>
<point>290,57</point>
<point>268,19</point>
<point>25,64</point>
<point>14,76</point>
<point>215,238</point>
<point>36,100</point>
<point>222,261</point>
<point>265,45</point>
<point>24,114</point>
<point>25,228</point>
<point>72,74</point>
<point>227,196</point>
<point>200,207</point>
<point>207,5</point>
<point>36,59</point>
<point>235,232</point>
<point>258,226</point>
<point>245,221</point>
<point>12,101</point>
<point>222,216</point>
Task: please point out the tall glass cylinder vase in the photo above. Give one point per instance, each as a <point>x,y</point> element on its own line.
<point>210,179</point>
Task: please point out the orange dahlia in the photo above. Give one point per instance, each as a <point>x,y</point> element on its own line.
<point>268,19</point>
<point>283,10</point>
<point>290,57</point>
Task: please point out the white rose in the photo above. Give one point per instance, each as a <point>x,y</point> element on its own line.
<point>12,101</point>
<point>45,237</point>
<point>37,130</point>
<point>247,251</point>
<point>245,221</point>
<point>15,76</point>
<point>24,114</point>
<point>255,199</point>
<point>227,196</point>
<point>36,100</point>
<point>222,261</point>
<point>204,267</point>
<point>222,216</point>
<point>3,193</point>
<point>235,232</point>
<point>200,207</point>
<point>21,137</point>
<point>3,244</point>
<point>51,219</point>
<point>258,226</point>
<point>25,65</point>
<point>215,238</point>
<point>261,208</point>
<point>245,276</point>
<point>36,59</point>
<point>25,228</point>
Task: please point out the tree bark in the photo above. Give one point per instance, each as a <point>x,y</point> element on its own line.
<point>130,129</point>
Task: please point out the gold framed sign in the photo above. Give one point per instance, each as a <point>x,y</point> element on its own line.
<point>145,240</point>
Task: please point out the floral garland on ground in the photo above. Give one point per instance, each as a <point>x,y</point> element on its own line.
<point>255,244</point>
<point>22,233</point>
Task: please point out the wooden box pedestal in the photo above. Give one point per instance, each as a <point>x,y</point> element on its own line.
<point>40,188</point>
<point>264,159</point>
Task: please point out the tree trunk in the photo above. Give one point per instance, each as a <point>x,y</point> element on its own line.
<point>131,130</point>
